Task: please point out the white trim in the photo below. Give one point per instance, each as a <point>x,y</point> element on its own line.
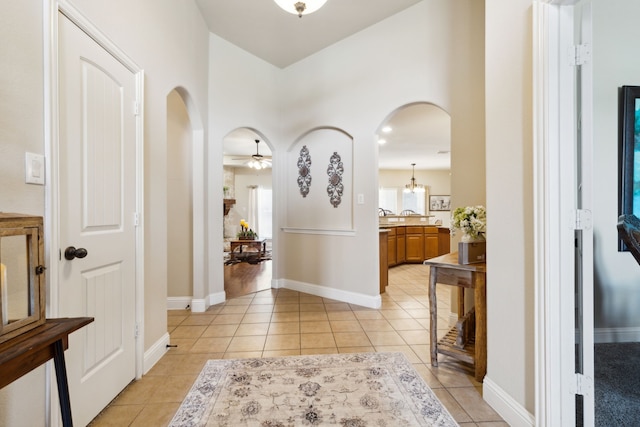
<point>331,293</point>
<point>507,407</point>
<point>326,232</point>
<point>155,352</point>
<point>611,335</point>
<point>179,303</point>
<point>199,305</point>
<point>216,298</point>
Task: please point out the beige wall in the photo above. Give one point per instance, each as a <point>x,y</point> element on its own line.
<point>509,160</point>
<point>179,199</point>
<point>21,130</point>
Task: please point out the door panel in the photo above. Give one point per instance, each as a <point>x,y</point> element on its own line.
<point>97,205</point>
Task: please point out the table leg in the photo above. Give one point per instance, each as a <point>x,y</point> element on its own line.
<point>63,385</point>
<point>480,298</point>
<point>433,310</point>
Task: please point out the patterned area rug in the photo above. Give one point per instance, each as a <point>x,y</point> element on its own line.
<point>347,390</point>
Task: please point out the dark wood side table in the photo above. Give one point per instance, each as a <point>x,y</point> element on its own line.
<point>260,245</point>
<point>21,354</point>
<point>459,342</point>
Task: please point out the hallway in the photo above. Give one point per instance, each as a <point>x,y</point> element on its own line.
<point>282,322</point>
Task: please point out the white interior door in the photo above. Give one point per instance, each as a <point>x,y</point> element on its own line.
<point>97,203</point>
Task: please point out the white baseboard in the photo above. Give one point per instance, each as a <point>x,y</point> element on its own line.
<point>199,305</point>
<point>178,303</point>
<point>155,353</point>
<point>332,293</point>
<point>511,411</point>
<point>607,335</point>
<point>217,298</point>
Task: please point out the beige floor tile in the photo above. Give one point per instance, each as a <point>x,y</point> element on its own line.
<point>405,324</point>
<point>280,353</point>
<point>325,350</point>
<point>338,306</point>
<point>242,355</point>
<point>278,328</point>
<point>287,300</point>
<point>356,349</point>
<point>341,315</point>
<point>188,331</point>
<point>263,301</point>
<point>175,389</point>
<point>423,351</point>
<point>345,325</point>
<point>453,374</point>
<point>395,314</point>
<point>376,325</point>
<point>159,414</point>
<point>256,318</point>
<point>390,305</point>
<point>280,308</point>
<point>215,309</point>
<point>260,308</point>
<point>292,316</point>
<point>423,313</point>
<point>117,415</point>
<point>202,319</point>
<point>238,301</point>
<point>282,342</point>
<point>315,327</point>
<point>471,400</point>
<point>313,316</point>
<point>427,375</point>
<point>454,408</point>
<point>351,339</point>
<point>317,340</point>
<point>246,329</point>
<point>411,356</point>
<point>138,391</point>
<point>412,304</point>
<point>183,345</point>
<point>211,345</point>
<point>220,330</point>
<point>249,343</point>
<point>175,320</point>
<point>378,338</point>
<point>227,319</point>
<point>310,299</point>
<point>368,315</point>
<point>415,337</point>
<point>311,307</point>
<point>234,309</point>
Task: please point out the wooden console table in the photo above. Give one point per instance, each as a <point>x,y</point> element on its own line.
<point>27,351</point>
<point>459,342</point>
<point>260,245</point>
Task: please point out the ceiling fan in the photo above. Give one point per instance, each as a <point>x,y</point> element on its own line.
<point>257,161</point>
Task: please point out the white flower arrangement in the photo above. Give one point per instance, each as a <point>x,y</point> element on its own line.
<point>471,221</point>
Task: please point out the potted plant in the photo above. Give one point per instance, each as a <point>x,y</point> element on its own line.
<point>245,232</point>
<point>472,222</point>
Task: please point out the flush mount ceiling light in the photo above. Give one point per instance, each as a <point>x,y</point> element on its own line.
<point>412,187</point>
<point>300,7</point>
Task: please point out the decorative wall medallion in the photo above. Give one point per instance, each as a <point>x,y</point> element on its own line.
<point>335,187</point>
<point>304,171</point>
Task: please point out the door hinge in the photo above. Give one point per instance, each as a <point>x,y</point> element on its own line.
<point>581,219</point>
<point>136,331</point>
<point>579,54</point>
<point>136,219</point>
<point>136,108</point>
<point>584,385</point>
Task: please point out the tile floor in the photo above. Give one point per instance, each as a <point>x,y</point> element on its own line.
<point>284,322</point>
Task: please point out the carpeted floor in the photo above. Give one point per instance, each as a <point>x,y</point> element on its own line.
<point>617,384</point>
<point>348,390</point>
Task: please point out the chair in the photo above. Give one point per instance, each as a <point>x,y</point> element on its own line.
<point>408,212</point>
<point>629,233</point>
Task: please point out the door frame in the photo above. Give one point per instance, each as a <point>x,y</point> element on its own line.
<point>555,185</point>
<point>52,9</point>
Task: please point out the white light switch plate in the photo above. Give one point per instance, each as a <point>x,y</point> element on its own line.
<point>34,168</point>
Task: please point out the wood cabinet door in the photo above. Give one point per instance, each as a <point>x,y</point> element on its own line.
<point>401,249</point>
<point>415,248</point>
<point>391,250</point>
<point>431,246</point>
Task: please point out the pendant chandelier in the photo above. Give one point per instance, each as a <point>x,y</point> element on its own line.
<point>412,187</point>
<point>300,7</point>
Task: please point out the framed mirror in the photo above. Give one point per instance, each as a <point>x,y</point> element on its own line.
<point>22,294</point>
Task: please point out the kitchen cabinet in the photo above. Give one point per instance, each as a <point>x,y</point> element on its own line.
<point>391,248</point>
<point>401,248</point>
<point>431,242</point>
<point>414,244</point>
